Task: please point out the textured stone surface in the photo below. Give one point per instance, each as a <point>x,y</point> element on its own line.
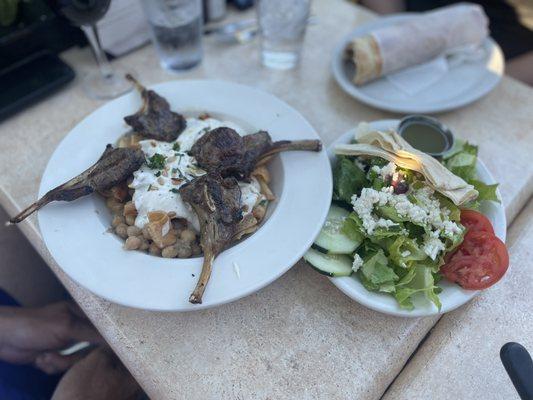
<point>460,359</point>
<point>299,337</point>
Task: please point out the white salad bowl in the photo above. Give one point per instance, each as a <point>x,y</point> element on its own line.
<point>77,233</point>
<point>452,295</point>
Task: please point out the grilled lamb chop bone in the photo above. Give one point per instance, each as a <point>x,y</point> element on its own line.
<point>113,167</point>
<point>154,119</point>
<point>217,203</point>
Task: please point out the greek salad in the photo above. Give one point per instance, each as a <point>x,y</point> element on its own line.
<point>395,229</point>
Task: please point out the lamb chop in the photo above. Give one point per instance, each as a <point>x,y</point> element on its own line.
<point>216,196</point>
<point>154,120</point>
<point>225,151</point>
<point>217,203</point>
<point>113,167</point>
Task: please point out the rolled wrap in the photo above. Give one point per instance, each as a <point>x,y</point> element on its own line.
<point>417,41</point>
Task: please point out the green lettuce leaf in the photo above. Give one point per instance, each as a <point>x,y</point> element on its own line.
<point>404,245</point>
<point>486,192</point>
<point>353,227</point>
<point>421,282</point>
<point>376,270</point>
<point>348,179</point>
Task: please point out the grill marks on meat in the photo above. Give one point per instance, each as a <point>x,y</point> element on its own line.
<point>219,149</point>
<point>224,151</point>
<point>217,203</point>
<point>113,167</point>
<point>154,120</point>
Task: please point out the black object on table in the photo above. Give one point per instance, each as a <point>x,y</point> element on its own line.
<point>30,80</point>
<point>519,367</point>
<point>31,35</point>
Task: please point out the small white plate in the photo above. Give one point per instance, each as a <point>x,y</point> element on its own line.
<point>461,85</point>
<point>452,295</point>
<point>77,236</point>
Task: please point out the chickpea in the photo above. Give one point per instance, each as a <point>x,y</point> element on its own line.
<point>114,206</point>
<point>129,209</point>
<point>168,240</point>
<point>130,219</point>
<point>132,243</point>
<point>188,235</point>
<point>183,248</point>
<point>117,220</point>
<point>122,230</point>
<point>154,250</point>
<point>134,231</point>
<point>170,252</point>
<point>146,233</point>
<point>145,244</point>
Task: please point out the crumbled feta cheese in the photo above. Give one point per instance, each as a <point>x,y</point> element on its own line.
<point>432,245</point>
<point>385,171</point>
<point>363,205</point>
<point>357,262</point>
<point>406,253</point>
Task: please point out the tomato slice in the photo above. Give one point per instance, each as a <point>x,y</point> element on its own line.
<point>475,221</point>
<point>478,263</point>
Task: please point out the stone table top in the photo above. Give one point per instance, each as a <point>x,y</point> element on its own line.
<point>300,337</point>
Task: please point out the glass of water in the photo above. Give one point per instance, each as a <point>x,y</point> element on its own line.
<point>282,24</point>
<point>176,27</point>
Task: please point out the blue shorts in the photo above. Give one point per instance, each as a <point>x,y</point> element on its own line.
<point>23,382</point>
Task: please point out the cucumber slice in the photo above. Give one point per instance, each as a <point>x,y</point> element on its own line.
<point>333,265</point>
<point>331,239</point>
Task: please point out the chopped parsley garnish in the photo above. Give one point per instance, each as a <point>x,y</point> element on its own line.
<point>176,147</point>
<point>157,161</point>
<point>174,190</point>
<point>157,174</point>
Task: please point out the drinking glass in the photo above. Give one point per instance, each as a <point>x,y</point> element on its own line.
<point>282,24</point>
<point>107,82</point>
<point>176,29</point>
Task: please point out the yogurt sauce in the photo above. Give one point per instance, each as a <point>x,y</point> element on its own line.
<point>157,189</point>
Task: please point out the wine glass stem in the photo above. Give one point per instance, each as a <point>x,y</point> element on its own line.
<point>101,59</point>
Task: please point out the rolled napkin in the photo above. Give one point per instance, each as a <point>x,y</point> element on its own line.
<point>392,147</point>
<point>418,40</point>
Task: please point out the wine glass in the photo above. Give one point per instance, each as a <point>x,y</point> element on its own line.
<point>106,82</point>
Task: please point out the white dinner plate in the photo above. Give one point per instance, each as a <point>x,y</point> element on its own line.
<point>452,295</point>
<point>77,236</point>
<point>461,85</point>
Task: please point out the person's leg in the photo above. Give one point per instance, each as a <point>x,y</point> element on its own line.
<point>99,376</point>
<point>22,381</point>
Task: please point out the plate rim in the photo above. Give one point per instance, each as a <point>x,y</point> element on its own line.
<point>342,283</point>
<point>249,288</point>
<point>349,88</point>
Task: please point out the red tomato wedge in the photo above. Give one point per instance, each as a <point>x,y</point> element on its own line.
<point>475,221</point>
<point>478,263</point>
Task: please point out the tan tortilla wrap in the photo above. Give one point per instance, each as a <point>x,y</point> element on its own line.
<point>391,146</point>
<point>460,27</point>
